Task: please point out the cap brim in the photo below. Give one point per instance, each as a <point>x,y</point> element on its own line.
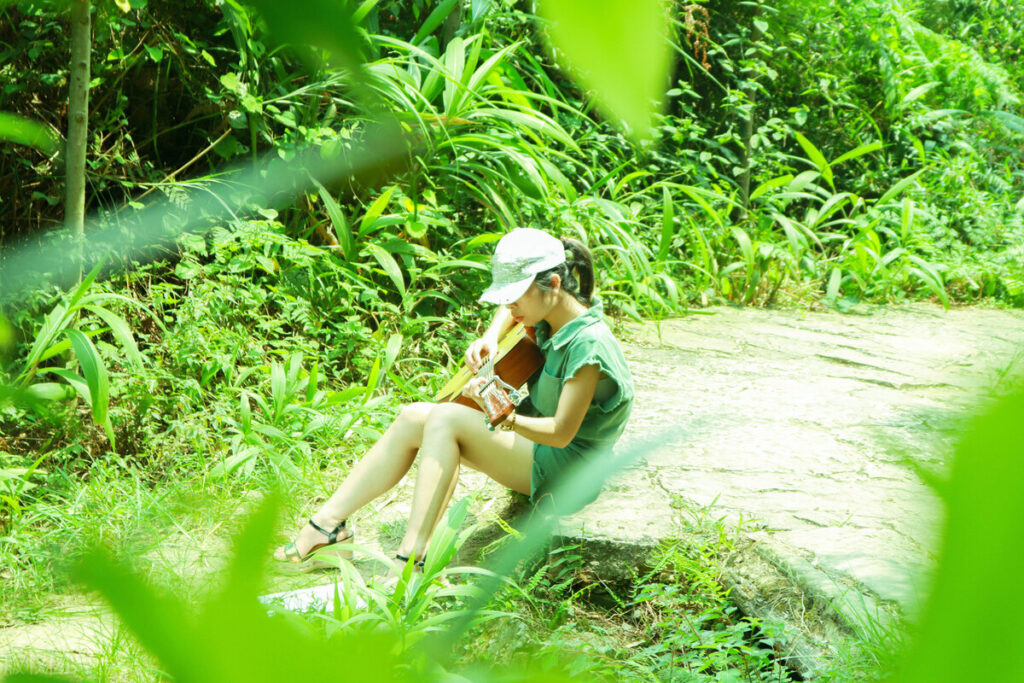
<point>506,294</point>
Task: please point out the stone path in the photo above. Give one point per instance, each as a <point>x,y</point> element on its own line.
<point>813,427</point>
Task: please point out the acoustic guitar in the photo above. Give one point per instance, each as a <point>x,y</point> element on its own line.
<point>517,358</point>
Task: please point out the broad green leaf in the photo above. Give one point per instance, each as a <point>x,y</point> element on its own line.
<point>268,430</point>
<point>475,45</point>
<point>95,373</point>
<point>160,623</point>
<point>859,151</point>
<point>389,265</point>
<point>23,131</point>
<point>415,229</point>
<point>1009,119</point>
<point>312,382</point>
<point>83,287</point>
<point>487,68</point>
<point>620,50</point>
<point>931,277</point>
<point>937,114</point>
<point>434,20</point>
<point>50,391</point>
<point>892,256</point>
<point>121,331</point>
<point>920,91</point>
<point>123,5</point>
<point>480,9</point>
<point>454,64</point>
<point>74,380</point>
<point>831,205</point>
<point>628,178</point>
<point>770,185</point>
<point>695,194</point>
<point>797,240</point>
<point>372,380</point>
<point>6,335</point>
<point>245,411</point>
<point>802,181</point>
<point>54,322</point>
<point>375,210</point>
<point>537,121</point>
<point>278,392</point>
<point>818,158</point>
<point>746,248</point>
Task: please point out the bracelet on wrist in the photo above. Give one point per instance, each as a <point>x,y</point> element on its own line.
<point>509,425</point>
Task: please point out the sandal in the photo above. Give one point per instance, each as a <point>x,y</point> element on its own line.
<point>395,570</point>
<point>417,565</point>
<point>308,562</point>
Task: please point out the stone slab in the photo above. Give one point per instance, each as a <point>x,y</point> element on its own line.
<point>814,429</point>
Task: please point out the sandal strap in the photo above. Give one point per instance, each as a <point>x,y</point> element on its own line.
<point>332,536</point>
<point>403,558</point>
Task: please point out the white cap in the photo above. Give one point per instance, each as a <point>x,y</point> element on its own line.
<point>519,256</point>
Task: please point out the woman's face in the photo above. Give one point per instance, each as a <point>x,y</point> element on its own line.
<point>535,304</point>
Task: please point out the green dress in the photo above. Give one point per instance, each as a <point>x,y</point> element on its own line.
<point>583,341</point>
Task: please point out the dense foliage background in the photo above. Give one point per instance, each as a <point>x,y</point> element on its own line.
<point>807,153</point>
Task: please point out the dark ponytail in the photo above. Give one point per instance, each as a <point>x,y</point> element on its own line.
<point>577,273</point>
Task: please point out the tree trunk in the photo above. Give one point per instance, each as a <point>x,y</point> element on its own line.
<point>78,122</point>
<point>750,90</point>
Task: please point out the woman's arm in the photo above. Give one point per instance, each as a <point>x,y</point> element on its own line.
<point>558,431</point>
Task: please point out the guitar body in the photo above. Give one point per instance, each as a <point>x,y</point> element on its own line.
<point>518,357</point>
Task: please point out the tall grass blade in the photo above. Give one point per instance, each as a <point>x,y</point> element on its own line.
<point>907,220</point>
<point>834,281</point>
<point>668,227</point>
<point>338,221</point>
<point>899,187</point>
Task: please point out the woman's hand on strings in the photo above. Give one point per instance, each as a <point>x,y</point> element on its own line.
<point>480,350</point>
<point>472,390</point>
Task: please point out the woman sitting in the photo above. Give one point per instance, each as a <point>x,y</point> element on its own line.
<point>577,407</point>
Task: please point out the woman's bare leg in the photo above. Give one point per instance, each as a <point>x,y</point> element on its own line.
<point>383,466</point>
<point>454,434</point>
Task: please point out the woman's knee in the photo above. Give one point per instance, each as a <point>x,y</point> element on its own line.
<point>414,414</point>
<point>445,418</point>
